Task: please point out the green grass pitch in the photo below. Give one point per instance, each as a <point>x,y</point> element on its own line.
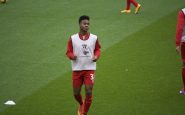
<point>138,73</point>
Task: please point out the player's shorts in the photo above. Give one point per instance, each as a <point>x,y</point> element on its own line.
<point>183,51</point>
<point>83,77</point>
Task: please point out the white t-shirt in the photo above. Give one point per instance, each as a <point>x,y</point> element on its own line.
<point>183,35</point>
<point>84,50</point>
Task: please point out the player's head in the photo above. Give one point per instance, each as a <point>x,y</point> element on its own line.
<point>84,23</point>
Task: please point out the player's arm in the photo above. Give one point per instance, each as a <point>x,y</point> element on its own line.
<point>179,30</point>
<point>69,51</point>
<point>97,51</point>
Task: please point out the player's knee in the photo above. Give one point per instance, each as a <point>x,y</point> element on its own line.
<point>76,91</point>
<point>183,65</point>
<point>89,91</point>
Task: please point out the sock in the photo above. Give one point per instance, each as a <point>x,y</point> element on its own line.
<point>128,5</point>
<point>79,99</point>
<point>134,3</point>
<point>87,104</point>
<point>183,76</point>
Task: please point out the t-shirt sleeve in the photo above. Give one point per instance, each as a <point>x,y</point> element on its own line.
<point>69,51</point>
<point>180,27</point>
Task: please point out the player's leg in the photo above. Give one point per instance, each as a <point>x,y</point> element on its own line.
<point>77,84</point>
<point>134,3</point>
<point>77,94</point>
<point>89,82</point>
<point>137,5</point>
<point>183,67</point>
<point>127,10</point>
<point>88,98</point>
<point>128,5</point>
<point>78,98</point>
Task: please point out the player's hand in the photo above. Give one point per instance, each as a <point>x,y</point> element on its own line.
<point>95,58</point>
<point>178,49</point>
<point>74,58</point>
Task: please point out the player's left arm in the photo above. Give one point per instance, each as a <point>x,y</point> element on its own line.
<point>97,51</point>
<point>179,30</point>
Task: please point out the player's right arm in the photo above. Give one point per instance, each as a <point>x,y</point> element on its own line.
<point>179,30</point>
<point>69,51</point>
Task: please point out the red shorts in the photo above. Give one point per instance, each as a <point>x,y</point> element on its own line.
<point>183,51</point>
<point>83,77</point>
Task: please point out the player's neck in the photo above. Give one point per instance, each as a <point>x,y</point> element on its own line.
<point>83,32</point>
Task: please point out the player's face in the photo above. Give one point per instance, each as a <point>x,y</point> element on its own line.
<point>84,25</point>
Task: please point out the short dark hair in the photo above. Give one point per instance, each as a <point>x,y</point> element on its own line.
<point>84,17</point>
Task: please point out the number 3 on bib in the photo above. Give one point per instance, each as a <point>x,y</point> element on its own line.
<point>92,77</point>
